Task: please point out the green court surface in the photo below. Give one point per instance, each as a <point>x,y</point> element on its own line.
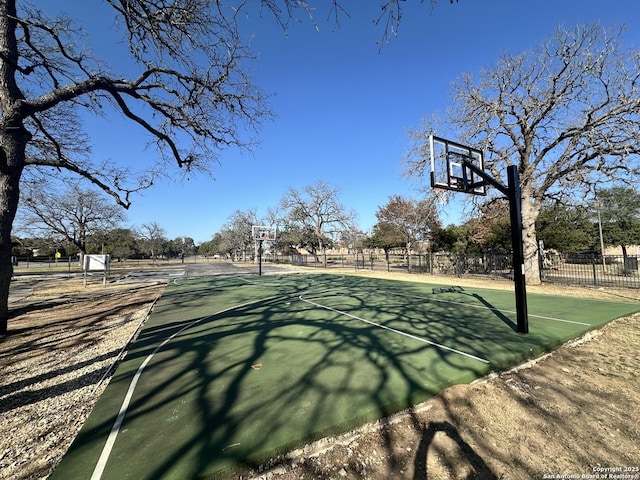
<point>230,371</point>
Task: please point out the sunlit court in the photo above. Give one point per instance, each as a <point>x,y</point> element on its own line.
<point>231,371</point>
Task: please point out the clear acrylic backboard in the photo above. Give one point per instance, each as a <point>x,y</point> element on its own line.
<point>263,233</point>
<point>449,166</point>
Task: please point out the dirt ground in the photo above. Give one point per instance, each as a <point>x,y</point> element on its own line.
<point>570,414</point>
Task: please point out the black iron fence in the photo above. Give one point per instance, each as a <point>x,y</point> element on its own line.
<point>587,269</point>
<point>591,269</point>
<point>437,263</point>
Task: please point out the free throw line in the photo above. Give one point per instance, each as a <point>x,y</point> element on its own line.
<point>399,332</point>
<point>493,309</point>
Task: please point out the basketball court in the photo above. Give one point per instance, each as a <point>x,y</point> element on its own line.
<point>232,370</point>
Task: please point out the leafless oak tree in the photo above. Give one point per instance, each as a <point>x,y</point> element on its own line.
<point>190,94</point>
<point>154,237</point>
<point>71,215</point>
<point>567,113</point>
<point>239,227</point>
<point>317,209</point>
<point>189,91</point>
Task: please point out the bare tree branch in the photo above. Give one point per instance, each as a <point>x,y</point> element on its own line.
<point>567,113</point>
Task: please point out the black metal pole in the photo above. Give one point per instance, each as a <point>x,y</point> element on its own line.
<point>515,212</point>
<point>259,258</point>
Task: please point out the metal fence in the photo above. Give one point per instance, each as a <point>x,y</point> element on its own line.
<point>587,269</point>
<point>591,269</point>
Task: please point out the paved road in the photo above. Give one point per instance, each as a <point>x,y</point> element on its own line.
<point>23,285</point>
<point>200,270</point>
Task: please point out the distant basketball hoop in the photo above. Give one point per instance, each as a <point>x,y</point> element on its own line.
<point>261,234</point>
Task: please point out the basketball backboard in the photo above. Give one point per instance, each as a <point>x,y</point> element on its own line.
<point>450,166</point>
<point>263,233</point>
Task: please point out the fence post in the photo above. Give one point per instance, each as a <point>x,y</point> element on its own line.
<point>593,265</point>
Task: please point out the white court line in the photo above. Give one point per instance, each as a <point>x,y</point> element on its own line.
<point>400,332</point>
<point>106,451</point>
<point>492,309</point>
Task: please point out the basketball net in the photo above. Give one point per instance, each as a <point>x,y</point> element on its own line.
<point>441,195</point>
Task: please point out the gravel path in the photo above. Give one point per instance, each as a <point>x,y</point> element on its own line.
<point>55,363</point>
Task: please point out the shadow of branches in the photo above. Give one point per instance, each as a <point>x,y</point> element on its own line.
<point>237,374</point>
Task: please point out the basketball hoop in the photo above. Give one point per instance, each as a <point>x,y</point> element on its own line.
<point>261,234</point>
<point>460,168</point>
<point>456,167</point>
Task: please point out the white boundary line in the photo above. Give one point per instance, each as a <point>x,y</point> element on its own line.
<point>128,344</point>
<point>115,429</point>
<point>400,332</point>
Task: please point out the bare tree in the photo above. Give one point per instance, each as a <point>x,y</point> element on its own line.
<point>190,93</point>
<point>190,105</point>
<point>155,238</point>
<point>566,113</point>
<point>318,210</point>
<point>413,220</point>
<point>239,228</point>
<point>73,215</point>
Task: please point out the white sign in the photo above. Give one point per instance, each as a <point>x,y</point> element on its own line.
<point>96,262</point>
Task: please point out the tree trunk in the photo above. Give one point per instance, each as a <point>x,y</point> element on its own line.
<point>9,195</point>
<point>530,240</point>
<point>13,144</point>
<point>408,257</point>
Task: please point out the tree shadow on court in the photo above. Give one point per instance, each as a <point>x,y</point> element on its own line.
<point>328,361</point>
<point>222,393</point>
<point>220,422</point>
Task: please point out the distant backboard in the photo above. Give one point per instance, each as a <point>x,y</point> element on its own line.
<point>263,233</point>
<point>449,166</point>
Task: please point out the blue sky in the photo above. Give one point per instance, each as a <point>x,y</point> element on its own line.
<point>342,106</point>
